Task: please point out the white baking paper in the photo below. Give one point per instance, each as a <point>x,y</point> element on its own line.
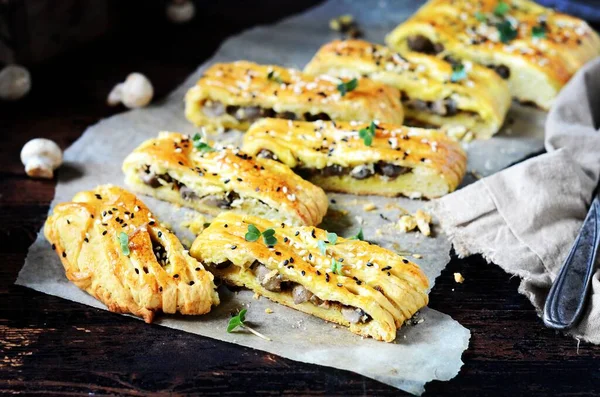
<point>429,350</point>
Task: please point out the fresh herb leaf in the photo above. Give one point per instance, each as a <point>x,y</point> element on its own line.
<point>358,236</point>
<point>501,9</point>
<point>322,246</point>
<point>480,16</point>
<point>506,31</point>
<point>253,233</point>
<point>269,237</point>
<point>238,321</point>
<point>458,72</point>
<point>538,32</point>
<point>346,87</point>
<point>332,238</point>
<point>124,242</point>
<point>271,76</point>
<point>336,267</point>
<point>200,145</point>
<point>367,134</point>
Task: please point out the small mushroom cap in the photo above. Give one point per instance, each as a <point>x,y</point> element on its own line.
<point>181,11</point>
<point>41,157</point>
<point>137,91</point>
<point>15,82</point>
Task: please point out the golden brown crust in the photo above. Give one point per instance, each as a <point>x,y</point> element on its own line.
<point>264,187</point>
<point>386,286</point>
<point>540,66</point>
<point>437,163</point>
<point>85,235</point>
<point>481,99</point>
<point>246,84</point>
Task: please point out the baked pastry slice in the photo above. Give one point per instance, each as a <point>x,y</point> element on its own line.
<point>233,95</point>
<point>433,92</point>
<point>535,48</point>
<point>362,158</point>
<point>353,283</point>
<point>111,247</point>
<point>210,180</point>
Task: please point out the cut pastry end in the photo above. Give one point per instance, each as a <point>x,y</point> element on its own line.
<point>534,48</point>
<point>399,160</point>
<point>113,248</point>
<point>432,93</point>
<point>170,168</point>
<point>353,283</point>
<point>234,95</point>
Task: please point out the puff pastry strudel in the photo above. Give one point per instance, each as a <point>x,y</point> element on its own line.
<point>171,168</point>
<point>433,92</point>
<point>233,95</point>
<point>535,48</point>
<point>111,247</point>
<point>400,160</point>
<point>353,283</point>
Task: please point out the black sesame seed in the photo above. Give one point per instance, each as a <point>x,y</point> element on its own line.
<point>369,264</point>
<point>303,273</point>
<point>145,270</point>
<point>389,274</point>
<point>86,240</point>
<point>318,273</point>
<point>53,247</point>
<point>197,269</point>
<point>159,234</point>
<point>333,201</point>
<point>191,283</point>
<point>151,223</point>
<point>313,234</point>
<point>386,268</point>
<point>233,247</point>
<point>340,285</point>
<point>239,179</point>
<point>404,260</point>
<point>291,260</point>
<point>226,181</point>
<point>64,254</point>
<point>176,276</point>
<point>68,222</point>
<point>92,216</point>
<point>104,233</point>
<point>277,253</point>
<point>297,233</point>
<point>98,197</point>
<point>285,262</point>
<point>160,289</point>
<point>180,162</point>
<point>225,226</point>
<point>285,239</point>
<point>327,277</point>
<point>123,225</point>
<point>137,271</point>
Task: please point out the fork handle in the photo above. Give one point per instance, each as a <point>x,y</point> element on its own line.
<point>567,297</point>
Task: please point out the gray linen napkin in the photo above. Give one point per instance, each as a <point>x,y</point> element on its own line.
<point>526,218</point>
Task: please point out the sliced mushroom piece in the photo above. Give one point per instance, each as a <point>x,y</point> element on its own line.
<point>187,193</point>
<point>354,315</point>
<point>149,178</point>
<point>439,107</point>
<point>315,117</point>
<point>361,172</point>
<point>266,154</point>
<point>270,279</point>
<point>301,294</point>
<point>287,115</point>
<point>213,108</point>
<point>421,43</point>
<point>503,71</point>
<point>391,170</point>
<point>332,170</point>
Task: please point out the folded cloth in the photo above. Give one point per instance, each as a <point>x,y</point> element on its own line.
<point>525,218</point>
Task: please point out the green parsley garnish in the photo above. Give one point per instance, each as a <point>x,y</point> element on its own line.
<point>458,72</point>
<point>501,9</point>
<point>336,267</point>
<point>238,321</point>
<point>331,240</point>
<point>124,242</point>
<point>480,16</point>
<point>271,76</point>
<point>200,145</point>
<point>358,236</point>
<point>538,31</point>
<point>346,87</point>
<point>268,235</point>
<point>367,134</point>
<point>506,30</point>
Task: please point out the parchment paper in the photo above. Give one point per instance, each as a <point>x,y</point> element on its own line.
<point>425,351</point>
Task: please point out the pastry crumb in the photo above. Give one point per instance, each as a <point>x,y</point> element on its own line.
<point>256,296</point>
<point>459,278</point>
<point>419,221</point>
<point>417,256</point>
<point>369,207</point>
<point>196,225</point>
<point>268,311</point>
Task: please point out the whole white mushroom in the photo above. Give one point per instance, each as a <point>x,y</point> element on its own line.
<point>135,92</point>
<point>41,157</point>
<point>15,82</point>
<point>181,11</point>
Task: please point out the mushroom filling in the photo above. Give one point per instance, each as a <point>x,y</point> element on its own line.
<point>154,180</point>
<point>362,171</point>
<point>420,43</point>
<point>502,70</point>
<point>441,107</point>
<point>273,281</point>
<point>160,253</point>
<point>252,113</point>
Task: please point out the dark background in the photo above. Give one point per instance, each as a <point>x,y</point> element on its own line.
<point>53,346</point>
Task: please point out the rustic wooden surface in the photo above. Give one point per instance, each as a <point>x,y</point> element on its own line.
<point>52,346</point>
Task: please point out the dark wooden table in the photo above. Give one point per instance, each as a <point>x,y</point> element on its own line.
<point>53,346</point>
